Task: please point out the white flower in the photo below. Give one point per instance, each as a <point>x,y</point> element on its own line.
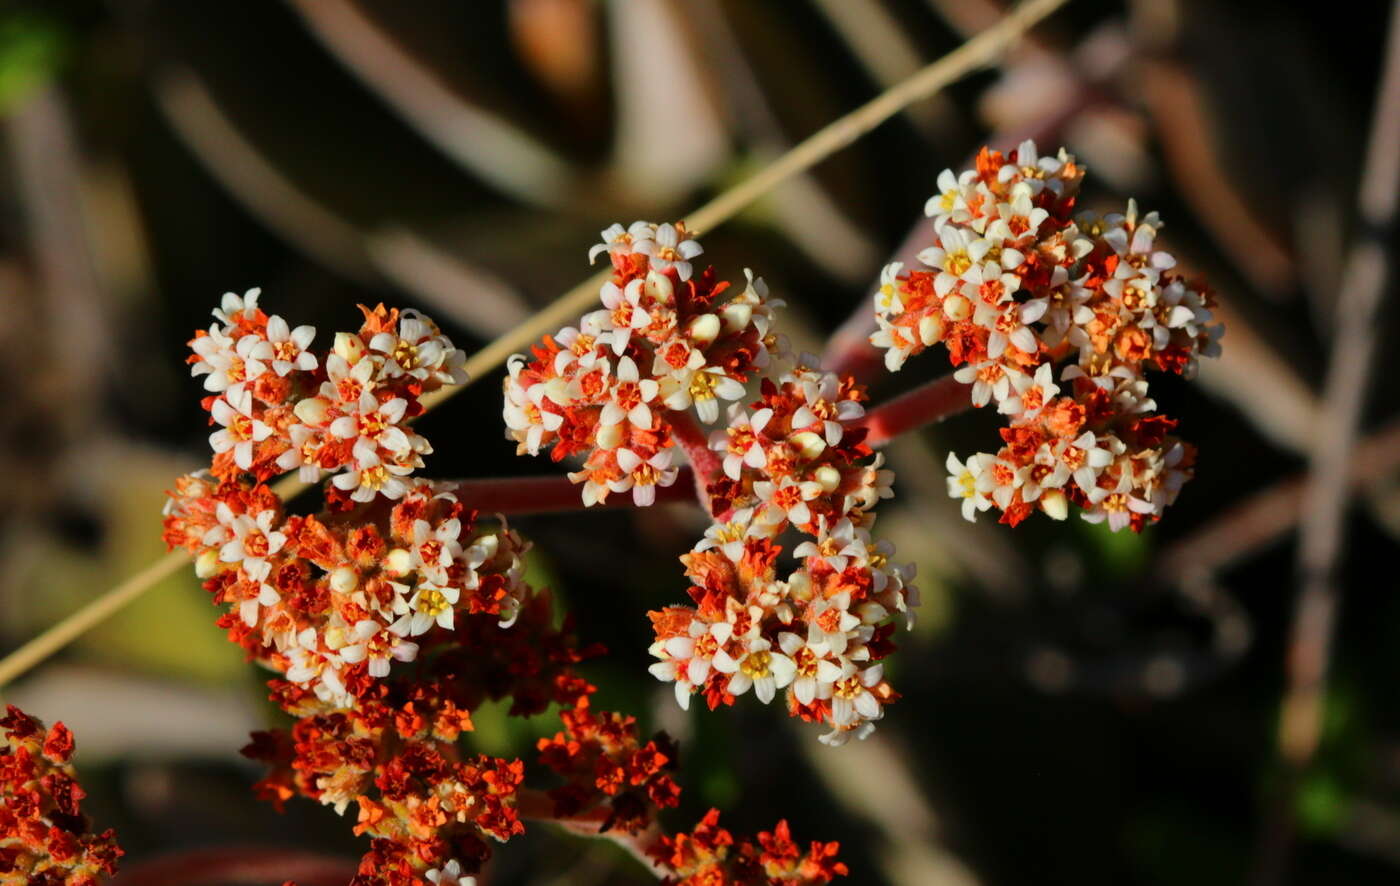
<point>430,604</point>
<point>851,698</point>
<point>1034,171</point>
<point>688,658</point>
<point>369,474</point>
<point>702,389</point>
<point>419,350</point>
<point>435,549</point>
<point>787,500</point>
<point>620,240</point>
<point>302,457</point>
<point>1031,393</point>
<point>253,540</point>
<point>831,623</point>
<point>285,348</point>
<point>815,672</point>
<point>625,311</point>
<point>644,476</point>
<point>759,668</point>
<point>822,413</point>
<point>345,383</point>
<point>963,483</point>
<point>1084,459</point>
<point>228,364</point>
<point>240,432</point>
<point>375,424</point>
<point>370,640</point>
<point>629,397</point>
<point>988,379</point>
<point>234,307</point>
<point>952,257</point>
<point>741,442</point>
<point>668,250</point>
<point>450,874</point>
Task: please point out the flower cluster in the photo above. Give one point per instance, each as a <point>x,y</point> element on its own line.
<point>1055,317</point>
<point>394,569</point>
<point>332,599</point>
<point>793,458</point>
<point>44,837</point>
<point>710,855</point>
<point>664,342</point>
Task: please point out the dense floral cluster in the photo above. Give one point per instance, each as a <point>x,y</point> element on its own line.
<point>613,389</point>
<point>44,838</point>
<point>710,856</point>
<point>1017,285</point>
<point>795,458</point>
<point>394,569</point>
<point>332,599</point>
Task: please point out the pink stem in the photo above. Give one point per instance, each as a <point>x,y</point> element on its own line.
<point>537,806</point>
<point>930,402</point>
<point>705,461</point>
<point>550,493</point>
<point>253,865</point>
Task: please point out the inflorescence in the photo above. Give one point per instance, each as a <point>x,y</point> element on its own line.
<point>395,612</point>
<point>45,840</point>
<point>1055,317</point>
<point>618,391</point>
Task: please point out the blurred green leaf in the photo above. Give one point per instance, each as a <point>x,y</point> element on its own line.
<point>31,50</point>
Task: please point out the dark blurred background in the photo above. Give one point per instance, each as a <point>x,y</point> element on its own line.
<point>1078,706</point>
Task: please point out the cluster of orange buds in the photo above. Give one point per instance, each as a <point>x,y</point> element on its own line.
<point>44,838</point>
<point>710,856</point>
<point>393,569</point>
<point>664,342</point>
<point>1055,317</point>
<point>332,599</point>
<point>394,754</point>
<point>794,458</point>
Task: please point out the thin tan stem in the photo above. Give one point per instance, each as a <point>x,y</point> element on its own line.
<point>979,51</point>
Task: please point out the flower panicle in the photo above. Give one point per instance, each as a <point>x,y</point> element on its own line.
<point>793,458</point>
<point>665,341</point>
<point>1054,316</point>
<point>44,836</point>
<point>710,854</point>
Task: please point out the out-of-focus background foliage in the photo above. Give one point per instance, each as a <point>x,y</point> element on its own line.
<point>1079,706</point>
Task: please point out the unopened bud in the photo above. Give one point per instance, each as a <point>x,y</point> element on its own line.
<point>344,580</point>
<point>207,563</point>
<point>736,316</point>
<point>311,411</point>
<point>349,346</point>
<point>398,562</point>
<point>957,308</point>
<point>703,329</point>
<point>1054,504</point>
<point>809,445</point>
<point>931,329</point>
<point>828,477</point>
<point>659,287</point>
<point>609,436</point>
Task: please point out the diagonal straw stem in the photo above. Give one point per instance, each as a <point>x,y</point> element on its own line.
<point>980,50</point>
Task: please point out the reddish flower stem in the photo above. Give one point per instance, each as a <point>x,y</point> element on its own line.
<point>705,461</point>
<point>930,402</point>
<point>551,493</point>
<point>545,494</point>
<point>537,806</point>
